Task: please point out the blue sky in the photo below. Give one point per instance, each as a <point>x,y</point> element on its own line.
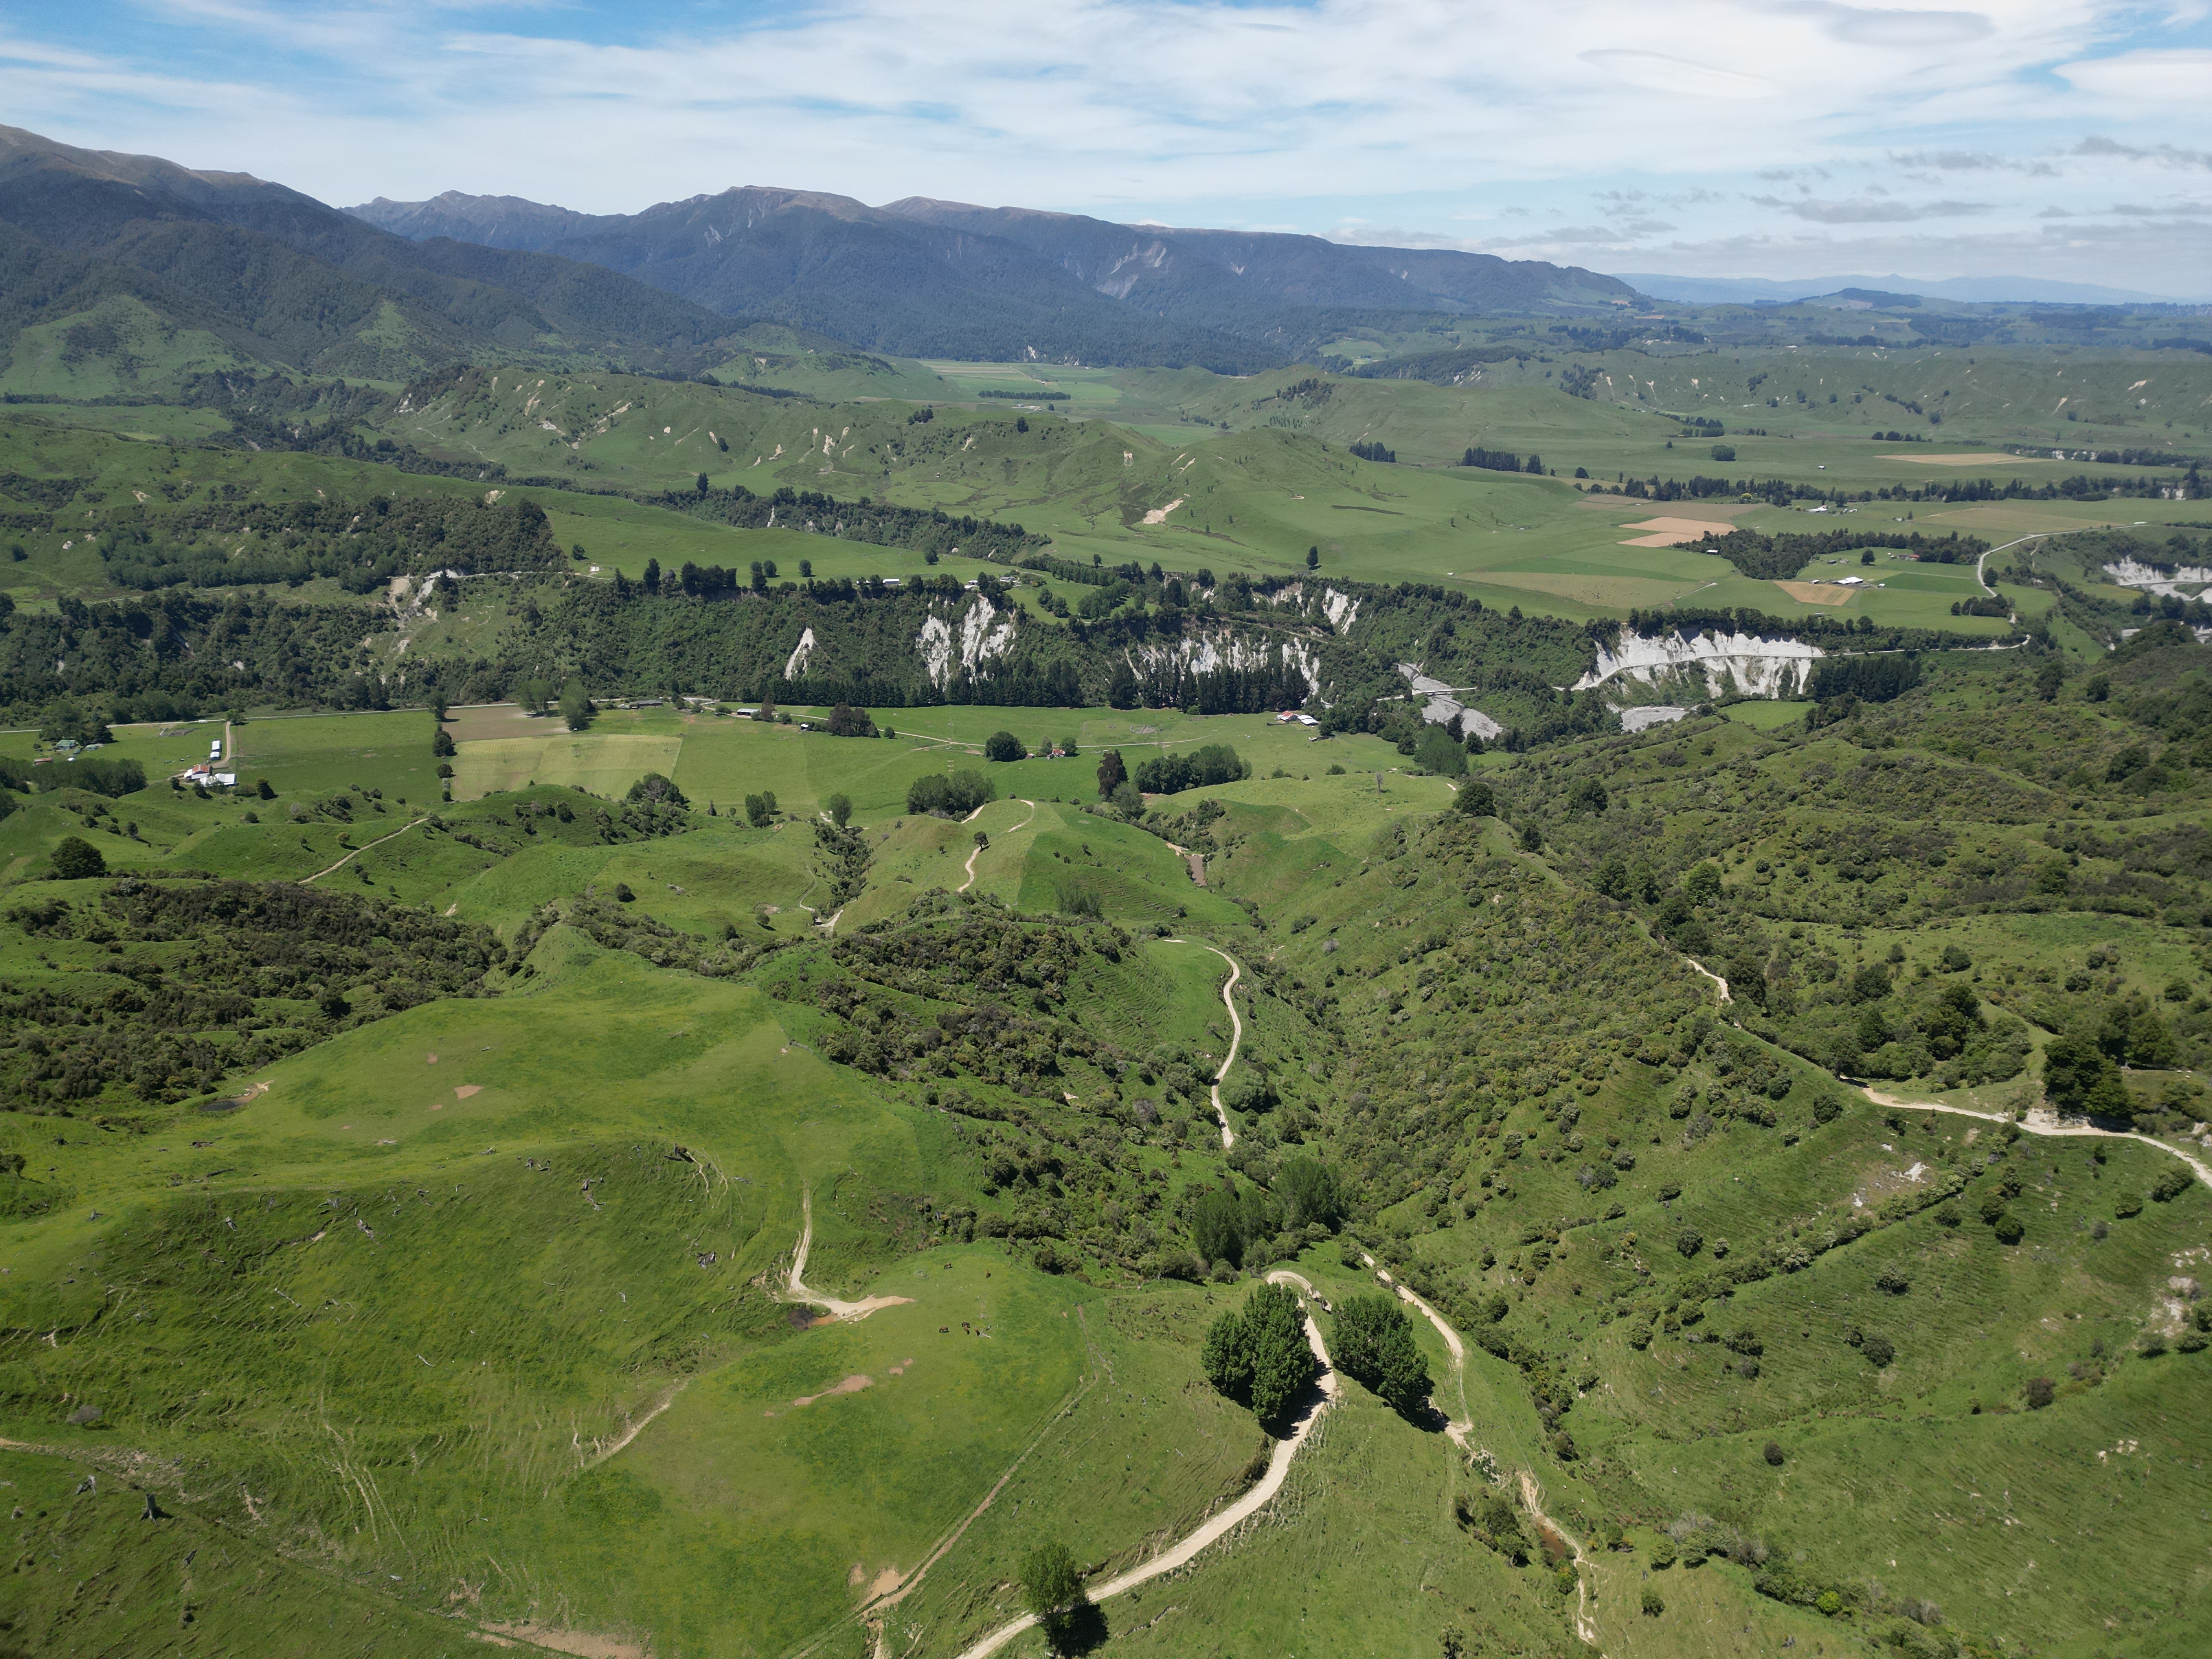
<point>2065,139</point>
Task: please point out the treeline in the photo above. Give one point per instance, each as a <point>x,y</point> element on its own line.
<point>1782,492</point>
<point>1030,396</point>
<point>1500,460</point>
<point>1374,453</point>
<point>362,543</point>
<point>924,530</point>
<point>2112,456</point>
<point>97,774</point>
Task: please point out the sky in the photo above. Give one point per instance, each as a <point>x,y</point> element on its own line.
<point>2065,140</point>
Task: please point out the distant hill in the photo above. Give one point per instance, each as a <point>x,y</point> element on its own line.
<point>140,252</point>
<point>1235,278</point>
<point>1751,290</point>
<point>928,279</point>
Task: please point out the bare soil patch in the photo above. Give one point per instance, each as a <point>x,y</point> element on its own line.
<point>1820,593</point>
<point>584,1644</point>
<point>1970,460</point>
<point>852,1384</point>
<point>1668,532</point>
<point>500,719</point>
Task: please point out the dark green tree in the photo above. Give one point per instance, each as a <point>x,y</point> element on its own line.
<point>1121,687</point>
<point>576,706</point>
<point>1372,1342</point>
<point>1051,1582</point>
<point>1112,774</point>
<point>75,859</point>
<point>1259,1353</point>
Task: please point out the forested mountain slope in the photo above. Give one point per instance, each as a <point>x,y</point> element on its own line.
<point>153,268</point>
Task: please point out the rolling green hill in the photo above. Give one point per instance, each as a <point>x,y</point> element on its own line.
<point>666,985</point>
<point>451,1278</point>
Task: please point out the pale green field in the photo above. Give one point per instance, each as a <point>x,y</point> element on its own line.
<point>723,759</point>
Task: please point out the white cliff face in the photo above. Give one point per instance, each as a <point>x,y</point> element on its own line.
<point>1340,609</point>
<point>2166,584</point>
<point>1758,665</point>
<point>795,665</point>
<point>1213,652</point>
<point>982,632</point>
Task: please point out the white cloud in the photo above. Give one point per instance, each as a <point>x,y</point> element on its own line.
<point>2180,77</point>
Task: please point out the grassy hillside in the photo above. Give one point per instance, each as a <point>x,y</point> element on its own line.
<point>451,1273</point>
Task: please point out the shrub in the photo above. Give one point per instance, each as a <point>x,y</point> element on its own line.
<point>1476,799</point>
<point>1773,1453</point>
<point>2040,1392</point>
<point>1689,1242</point>
<point>1877,1350</point>
<point>1653,1605</point>
<point>1003,746</point>
<point>2009,1230</point>
<point>2169,1186</point>
<point>662,792</point>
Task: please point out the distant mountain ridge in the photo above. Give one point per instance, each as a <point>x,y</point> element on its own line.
<point>280,278</point>
<point>1984,290</point>
<point>928,279</point>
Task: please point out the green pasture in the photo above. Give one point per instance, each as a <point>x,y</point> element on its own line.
<point>722,758</point>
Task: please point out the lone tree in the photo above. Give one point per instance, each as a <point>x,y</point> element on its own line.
<point>77,859</point>
<point>1003,746</point>
<point>1052,1585</point>
<point>1476,799</point>
<point>1112,775</point>
<point>1373,1344</point>
<point>840,808</point>
<point>576,706</point>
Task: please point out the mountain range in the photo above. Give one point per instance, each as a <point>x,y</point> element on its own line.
<point>930,278</point>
